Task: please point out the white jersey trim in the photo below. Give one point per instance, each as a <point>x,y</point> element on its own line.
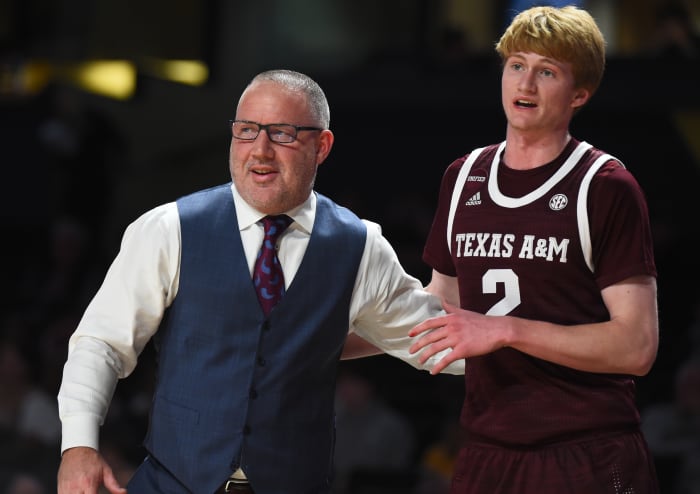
<point>456,192</point>
<point>516,202</point>
<point>584,230</point>
<point>509,202</point>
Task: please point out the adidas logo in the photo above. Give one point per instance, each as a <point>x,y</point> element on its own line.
<point>474,200</point>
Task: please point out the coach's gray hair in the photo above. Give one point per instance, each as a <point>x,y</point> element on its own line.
<point>318,104</point>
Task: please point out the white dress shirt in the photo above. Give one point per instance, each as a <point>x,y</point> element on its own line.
<point>142,282</point>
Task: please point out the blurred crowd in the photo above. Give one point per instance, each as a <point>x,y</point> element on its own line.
<point>397,429</point>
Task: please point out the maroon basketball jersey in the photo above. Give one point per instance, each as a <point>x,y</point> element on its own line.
<point>540,244</point>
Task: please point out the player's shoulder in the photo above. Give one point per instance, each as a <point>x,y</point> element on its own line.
<point>612,176</point>
<point>612,167</point>
<point>476,156</point>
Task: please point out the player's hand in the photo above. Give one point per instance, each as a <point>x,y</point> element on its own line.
<point>467,333</point>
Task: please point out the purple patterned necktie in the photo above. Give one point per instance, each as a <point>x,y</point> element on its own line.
<point>267,275</point>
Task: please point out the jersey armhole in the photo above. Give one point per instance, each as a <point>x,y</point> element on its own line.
<point>457,191</point>
<point>584,229</point>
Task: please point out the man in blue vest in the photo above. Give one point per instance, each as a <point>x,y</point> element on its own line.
<point>244,399</point>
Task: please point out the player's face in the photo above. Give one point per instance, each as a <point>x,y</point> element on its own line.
<point>538,93</point>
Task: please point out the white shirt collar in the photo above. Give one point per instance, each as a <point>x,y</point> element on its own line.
<point>303,214</point>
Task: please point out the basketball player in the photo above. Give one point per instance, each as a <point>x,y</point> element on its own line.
<point>542,251</point>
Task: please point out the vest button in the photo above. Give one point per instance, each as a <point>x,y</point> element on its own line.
<point>253,393</point>
<point>266,325</point>
<point>246,430</point>
<point>261,362</point>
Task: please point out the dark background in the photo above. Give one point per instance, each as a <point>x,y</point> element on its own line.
<point>78,167</point>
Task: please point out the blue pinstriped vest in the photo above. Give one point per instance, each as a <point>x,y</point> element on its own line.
<point>236,388</point>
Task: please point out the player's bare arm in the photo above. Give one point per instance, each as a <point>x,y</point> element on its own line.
<point>626,344</point>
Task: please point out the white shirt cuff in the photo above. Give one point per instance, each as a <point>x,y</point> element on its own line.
<point>80,430</point>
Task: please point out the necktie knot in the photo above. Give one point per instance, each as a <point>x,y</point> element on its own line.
<point>267,276</point>
<point>275,225</point>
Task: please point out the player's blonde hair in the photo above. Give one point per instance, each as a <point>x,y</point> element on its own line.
<point>568,34</point>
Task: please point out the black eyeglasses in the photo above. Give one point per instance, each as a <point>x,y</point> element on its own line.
<point>276,132</point>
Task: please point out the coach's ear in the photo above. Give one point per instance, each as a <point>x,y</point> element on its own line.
<point>325,143</point>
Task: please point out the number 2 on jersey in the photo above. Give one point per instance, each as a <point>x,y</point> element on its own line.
<point>511,298</point>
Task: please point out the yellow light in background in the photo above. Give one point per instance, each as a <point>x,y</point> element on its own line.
<point>35,76</point>
<point>24,79</point>
<point>111,78</point>
<point>190,72</point>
